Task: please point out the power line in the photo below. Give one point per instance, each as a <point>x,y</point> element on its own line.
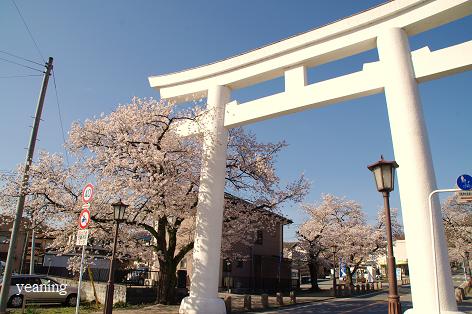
<point>60,116</point>
<point>14,76</point>
<point>21,65</point>
<point>29,32</point>
<point>8,173</point>
<point>16,56</point>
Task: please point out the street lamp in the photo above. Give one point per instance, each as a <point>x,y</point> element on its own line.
<point>384,174</point>
<point>469,272</point>
<point>118,214</point>
<point>334,249</point>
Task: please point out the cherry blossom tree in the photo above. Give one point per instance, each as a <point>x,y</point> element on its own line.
<point>362,242</point>
<point>341,223</point>
<point>136,154</point>
<point>457,220</point>
<point>53,198</point>
<point>327,222</point>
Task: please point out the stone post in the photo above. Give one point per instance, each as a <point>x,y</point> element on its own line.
<point>265,301</point>
<point>228,304</point>
<point>279,298</point>
<point>247,302</point>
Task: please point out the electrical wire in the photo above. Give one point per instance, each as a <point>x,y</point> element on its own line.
<point>53,75</point>
<point>19,64</point>
<point>14,76</point>
<point>29,32</point>
<point>16,56</point>
<point>8,173</point>
<point>60,116</point>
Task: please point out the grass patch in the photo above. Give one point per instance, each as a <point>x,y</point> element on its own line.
<point>54,309</point>
<point>84,308</point>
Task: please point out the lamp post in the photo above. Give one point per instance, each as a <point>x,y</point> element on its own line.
<point>119,214</point>
<point>334,249</point>
<point>467,267</point>
<point>384,174</point>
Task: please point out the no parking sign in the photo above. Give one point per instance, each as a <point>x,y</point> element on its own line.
<point>84,218</point>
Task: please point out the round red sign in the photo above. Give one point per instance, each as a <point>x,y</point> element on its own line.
<point>84,218</point>
<point>87,193</point>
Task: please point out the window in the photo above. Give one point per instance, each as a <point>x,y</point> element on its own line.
<point>18,281</point>
<point>259,237</point>
<point>34,281</point>
<point>47,281</point>
<point>24,280</point>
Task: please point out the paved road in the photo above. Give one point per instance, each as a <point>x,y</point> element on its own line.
<point>458,279</point>
<point>370,304</point>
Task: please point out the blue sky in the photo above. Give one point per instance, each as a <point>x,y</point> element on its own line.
<point>105,50</point>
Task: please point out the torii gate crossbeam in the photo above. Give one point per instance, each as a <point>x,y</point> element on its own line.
<point>386,28</point>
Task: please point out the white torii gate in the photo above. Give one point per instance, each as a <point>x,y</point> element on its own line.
<point>397,74</point>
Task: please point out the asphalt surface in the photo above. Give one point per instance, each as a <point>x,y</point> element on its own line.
<point>370,304</point>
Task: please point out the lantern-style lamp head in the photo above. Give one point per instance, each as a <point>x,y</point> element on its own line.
<point>119,210</point>
<point>334,249</point>
<point>384,174</point>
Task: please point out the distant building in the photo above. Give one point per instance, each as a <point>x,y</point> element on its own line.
<point>263,269</point>
<point>300,269</point>
<point>401,258</point>
<point>21,258</point>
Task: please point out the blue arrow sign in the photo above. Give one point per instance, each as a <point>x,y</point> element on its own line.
<point>464,182</point>
<point>342,270</point>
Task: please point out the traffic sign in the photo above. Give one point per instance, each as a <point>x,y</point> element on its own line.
<point>399,273</point>
<point>84,218</point>
<point>464,182</point>
<point>464,197</point>
<point>82,237</point>
<point>87,193</point>
<point>86,206</point>
<point>342,269</point>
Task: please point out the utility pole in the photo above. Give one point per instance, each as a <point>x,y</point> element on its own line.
<point>33,246</point>
<point>23,254</point>
<point>23,190</point>
<point>33,241</point>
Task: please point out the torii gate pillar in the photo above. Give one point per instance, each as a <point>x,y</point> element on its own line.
<point>203,297</point>
<point>416,178</point>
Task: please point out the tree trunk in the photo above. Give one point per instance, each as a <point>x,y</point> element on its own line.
<point>349,276</point>
<point>167,282</point>
<point>166,242</point>
<point>314,266</point>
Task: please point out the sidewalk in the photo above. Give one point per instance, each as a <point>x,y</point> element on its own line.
<point>237,300</point>
<point>237,303</point>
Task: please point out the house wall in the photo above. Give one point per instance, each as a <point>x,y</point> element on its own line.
<point>23,237</point>
<point>5,234</point>
<point>261,269</point>
<point>271,245</point>
<point>54,260</point>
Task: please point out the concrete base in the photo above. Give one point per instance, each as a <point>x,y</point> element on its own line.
<point>196,305</point>
<point>412,311</point>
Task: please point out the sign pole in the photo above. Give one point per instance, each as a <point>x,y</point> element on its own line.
<point>80,280</point>
<point>433,240</point>
<point>82,234</point>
